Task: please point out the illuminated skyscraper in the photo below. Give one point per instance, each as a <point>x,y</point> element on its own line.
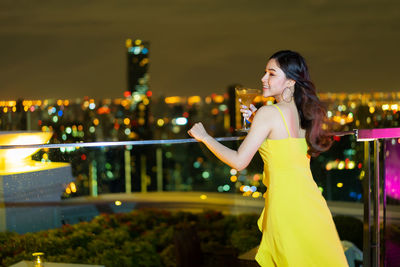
<point>138,83</point>
<point>138,62</point>
<point>140,97</point>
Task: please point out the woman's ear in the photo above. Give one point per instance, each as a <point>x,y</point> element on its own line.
<point>291,83</point>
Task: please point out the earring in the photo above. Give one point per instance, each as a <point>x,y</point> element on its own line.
<point>287,95</point>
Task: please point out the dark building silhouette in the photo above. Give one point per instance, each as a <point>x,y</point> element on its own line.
<point>138,64</point>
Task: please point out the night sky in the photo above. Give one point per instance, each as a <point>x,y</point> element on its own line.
<point>69,49</point>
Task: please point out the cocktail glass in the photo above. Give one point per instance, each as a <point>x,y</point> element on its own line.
<point>245,96</point>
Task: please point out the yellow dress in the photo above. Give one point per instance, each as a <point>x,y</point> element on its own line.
<point>297,226</point>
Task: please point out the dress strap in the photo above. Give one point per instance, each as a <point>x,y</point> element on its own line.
<point>280,111</point>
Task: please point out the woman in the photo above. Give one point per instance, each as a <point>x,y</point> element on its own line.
<point>296,223</point>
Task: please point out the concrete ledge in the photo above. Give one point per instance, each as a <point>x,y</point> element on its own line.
<point>52,264</point>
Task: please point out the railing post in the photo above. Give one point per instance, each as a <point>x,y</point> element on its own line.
<point>376,192</point>
<point>367,206</point>
<point>143,175</point>
<point>383,184</point>
<point>93,179</point>
<point>159,170</point>
<point>128,170</point>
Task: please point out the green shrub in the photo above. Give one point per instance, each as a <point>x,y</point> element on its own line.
<point>138,238</point>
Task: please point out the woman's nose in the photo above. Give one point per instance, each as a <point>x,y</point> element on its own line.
<point>264,78</point>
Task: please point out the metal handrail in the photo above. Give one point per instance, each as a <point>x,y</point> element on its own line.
<point>118,143</point>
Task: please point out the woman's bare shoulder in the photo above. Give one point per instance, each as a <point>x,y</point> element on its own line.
<point>266,114</point>
<point>266,111</point>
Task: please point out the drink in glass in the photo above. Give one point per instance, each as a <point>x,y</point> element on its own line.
<point>245,97</point>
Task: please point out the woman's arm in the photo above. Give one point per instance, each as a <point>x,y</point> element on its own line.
<point>239,159</point>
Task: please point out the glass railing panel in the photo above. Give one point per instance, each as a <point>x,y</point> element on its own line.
<point>65,185</point>
<point>391,237</point>
<point>339,171</point>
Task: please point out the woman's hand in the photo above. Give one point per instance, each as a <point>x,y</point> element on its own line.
<point>248,112</point>
<point>198,132</point>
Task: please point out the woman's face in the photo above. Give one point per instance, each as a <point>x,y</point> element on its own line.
<point>274,80</point>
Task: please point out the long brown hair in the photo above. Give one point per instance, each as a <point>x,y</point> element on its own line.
<point>311,111</point>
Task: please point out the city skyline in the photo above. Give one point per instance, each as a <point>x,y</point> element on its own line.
<point>197,48</point>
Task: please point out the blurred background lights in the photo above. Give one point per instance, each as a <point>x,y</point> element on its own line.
<point>234,172</point>
<point>371,110</point>
<point>73,187</point>
<point>160,122</point>
<point>205,175</point>
<point>351,165</point>
<point>226,187</point>
<point>203,197</point>
<point>176,129</point>
<point>137,50</point>
<point>340,185</point>
<point>341,165</point>
<point>137,97</point>
<point>223,107</point>
<point>118,203</point>
<point>146,101</point>
<point>181,121</point>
